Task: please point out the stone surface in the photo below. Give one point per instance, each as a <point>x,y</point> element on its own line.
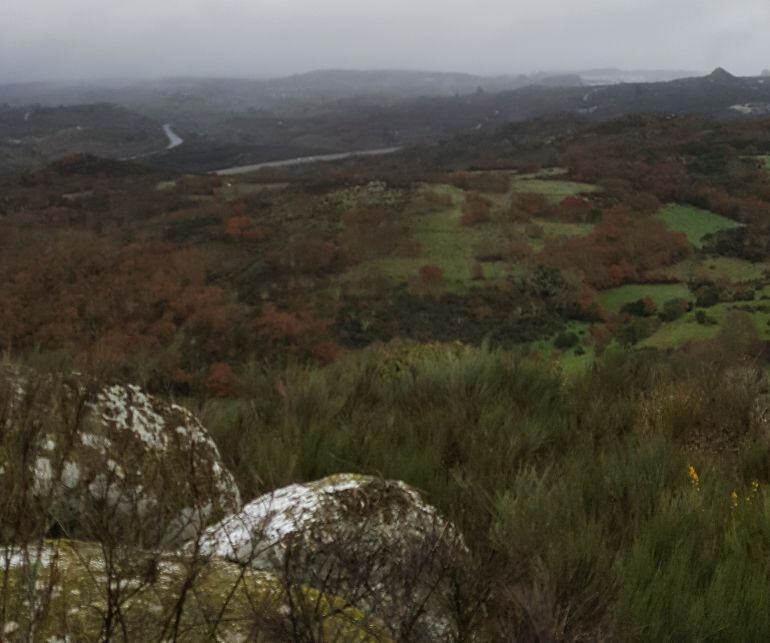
<point>106,462</point>
<point>58,591</point>
<point>376,542</point>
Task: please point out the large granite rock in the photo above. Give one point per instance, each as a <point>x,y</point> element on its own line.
<point>58,591</point>
<point>111,463</point>
<point>375,542</point>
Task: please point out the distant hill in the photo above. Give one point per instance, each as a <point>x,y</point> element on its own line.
<point>227,122</point>
<point>359,124</point>
<point>610,76</point>
<point>34,134</point>
<point>341,84</point>
<point>314,86</point>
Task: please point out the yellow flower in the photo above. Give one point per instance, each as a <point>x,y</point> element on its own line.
<point>694,478</point>
<point>734,499</point>
<point>754,486</point>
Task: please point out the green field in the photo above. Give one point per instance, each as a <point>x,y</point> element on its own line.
<point>687,329</point>
<point>545,173</point>
<point>444,243</point>
<point>569,361</point>
<point>614,298</point>
<point>451,246</point>
<point>552,229</point>
<point>718,268</point>
<point>694,222</point>
<point>554,191</point>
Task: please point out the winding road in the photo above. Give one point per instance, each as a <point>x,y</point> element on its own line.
<point>174,140</point>
<point>339,156</point>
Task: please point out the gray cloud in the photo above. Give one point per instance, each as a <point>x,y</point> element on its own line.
<point>44,39</point>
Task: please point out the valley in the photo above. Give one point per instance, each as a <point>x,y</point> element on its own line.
<point>285,361</point>
<point>362,248</point>
<point>243,123</point>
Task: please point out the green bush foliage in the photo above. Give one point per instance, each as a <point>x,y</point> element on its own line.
<point>628,503</point>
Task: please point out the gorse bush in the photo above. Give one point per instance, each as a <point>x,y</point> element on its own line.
<point>625,503</point>
<point>574,496</point>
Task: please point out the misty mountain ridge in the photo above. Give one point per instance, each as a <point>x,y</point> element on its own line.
<point>231,122</point>
<point>321,84</point>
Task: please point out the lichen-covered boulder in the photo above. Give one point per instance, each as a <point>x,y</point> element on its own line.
<point>373,541</point>
<point>67,591</point>
<point>110,463</point>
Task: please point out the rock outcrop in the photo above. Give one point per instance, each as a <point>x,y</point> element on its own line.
<point>375,542</point>
<point>66,591</point>
<point>110,463</point>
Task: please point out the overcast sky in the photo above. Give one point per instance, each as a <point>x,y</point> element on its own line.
<point>53,39</point>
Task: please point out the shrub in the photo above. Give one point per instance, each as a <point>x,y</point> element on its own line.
<point>640,308</point>
<point>532,203</point>
<point>221,380</point>
<point>313,255</point>
<point>624,246</point>
<point>519,250</point>
<point>436,201</point>
<point>673,309</point>
<point>236,226</point>
<point>325,352</point>
<point>707,296</point>
<point>702,318</point>
<point>490,250</point>
<point>475,210</point>
<point>431,274</point>
<point>566,340</point>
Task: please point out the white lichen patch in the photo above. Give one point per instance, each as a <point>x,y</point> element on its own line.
<point>43,476</point>
<point>268,519</point>
<point>115,468</point>
<point>14,558</point>
<point>131,455</point>
<point>128,408</point>
<point>326,505</point>
<point>70,475</point>
<point>9,627</point>
<point>98,442</point>
<point>340,525</point>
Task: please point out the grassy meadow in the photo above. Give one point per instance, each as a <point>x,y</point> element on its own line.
<point>456,248</point>
<point>729,269</point>
<point>615,298</point>
<point>694,222</point>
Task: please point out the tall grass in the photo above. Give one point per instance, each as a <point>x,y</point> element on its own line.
<point>574,497</point>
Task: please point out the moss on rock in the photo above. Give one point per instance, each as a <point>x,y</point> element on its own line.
<point>75,591</point>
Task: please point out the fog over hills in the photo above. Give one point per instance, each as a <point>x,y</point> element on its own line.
<point>319,85</point>
<point>50,39</point>
<point>411,320</point>
<point>230,122</point>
